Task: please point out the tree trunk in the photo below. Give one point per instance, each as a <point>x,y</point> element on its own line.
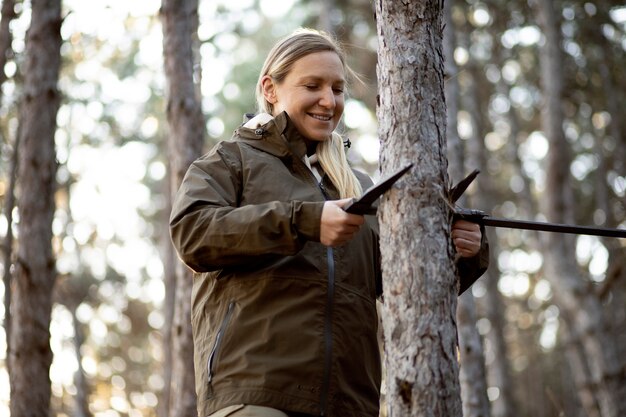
<point>420,291</point>
<point>7,247</point>
<point>455,148</point>
<point>475,402</point>
<point>6,38</point>
<point>186,125</point>
<point>580,305</point>
<point>472,371</point>
<point>472,375</point>
<point>81,399</point>
<point>169,273</point>
<point>607,66</point>
<point>499,372</point>
<point>30,354</point>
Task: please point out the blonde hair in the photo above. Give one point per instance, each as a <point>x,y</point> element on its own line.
<point>279,62</point>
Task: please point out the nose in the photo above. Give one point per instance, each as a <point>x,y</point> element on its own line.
<point>327,98</point>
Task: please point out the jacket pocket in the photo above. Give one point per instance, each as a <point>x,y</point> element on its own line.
<point>215,350</point>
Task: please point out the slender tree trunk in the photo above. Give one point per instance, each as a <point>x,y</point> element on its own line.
<point>7,247</point>
<point>476,404</point>
<point>472,371</point>
<point>537,389</point>
<point>81,399</point>
<point>614,95</point>
<point>422,373</point>
<point>582,307</point>
<point>499,374</point>
<point>613,162</point>
<point>30,354</point>
<point>169,265</point>
<point>455,148</point>
<point>575,355</point>
<point>6,38</point>
<point>186,124</point>
<point>473,374</point>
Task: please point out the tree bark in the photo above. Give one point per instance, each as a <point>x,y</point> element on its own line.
<point>581,306</point>
<point>186,125</point>
<point>420,291</point>
<point>30,354</point>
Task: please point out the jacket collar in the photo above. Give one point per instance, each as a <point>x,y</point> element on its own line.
<point>274,135</point>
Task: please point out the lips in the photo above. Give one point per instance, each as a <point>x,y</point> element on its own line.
<point>321,117</point>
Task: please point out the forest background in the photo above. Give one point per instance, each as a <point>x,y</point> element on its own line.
<point>110,224</point>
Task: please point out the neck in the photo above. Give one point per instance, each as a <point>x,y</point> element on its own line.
<point>311,146</point>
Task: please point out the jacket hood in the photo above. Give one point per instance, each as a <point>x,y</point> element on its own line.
<point>274,135</point>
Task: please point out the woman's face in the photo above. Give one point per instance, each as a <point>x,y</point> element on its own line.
<point>311,94</point>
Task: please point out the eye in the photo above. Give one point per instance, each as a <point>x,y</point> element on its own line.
<point>338,90</point>
<point>311,86</point>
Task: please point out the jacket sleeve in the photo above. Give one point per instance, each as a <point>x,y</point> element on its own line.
<point>211,231</point>
<point>470,269</point>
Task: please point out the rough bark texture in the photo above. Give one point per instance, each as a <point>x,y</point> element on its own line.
<point>417,257</point>
<point>30,354</point>
<point>186,125</point>
<point>600,375</point>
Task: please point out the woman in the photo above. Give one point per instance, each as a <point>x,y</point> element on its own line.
<point>284,296</point>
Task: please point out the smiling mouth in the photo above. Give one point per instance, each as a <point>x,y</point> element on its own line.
<point>320,117</point>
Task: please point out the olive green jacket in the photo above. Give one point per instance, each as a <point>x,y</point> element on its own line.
<point>278,319</point>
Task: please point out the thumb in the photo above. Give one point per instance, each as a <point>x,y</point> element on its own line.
<point>344,202</point>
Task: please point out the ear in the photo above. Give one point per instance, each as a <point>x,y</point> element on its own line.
<point>269,89</point>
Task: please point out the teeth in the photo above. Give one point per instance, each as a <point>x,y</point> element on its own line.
<point>324,118</point>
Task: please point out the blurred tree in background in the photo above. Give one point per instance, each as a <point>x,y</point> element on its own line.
<point>544,330</point>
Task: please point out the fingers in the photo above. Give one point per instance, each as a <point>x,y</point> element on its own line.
<point>466,225</point>
<point>338,227</point>
<point>466,237</point>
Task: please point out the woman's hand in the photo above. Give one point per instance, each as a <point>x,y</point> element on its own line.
<point>337,226</point>
<point>466,237</point>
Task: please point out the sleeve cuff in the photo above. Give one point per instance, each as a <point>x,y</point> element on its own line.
<point>307,219</point>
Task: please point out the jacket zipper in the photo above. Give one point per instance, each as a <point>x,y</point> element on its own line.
<point>218,342</point>
<point>328,335</point>
<point>328,322</point>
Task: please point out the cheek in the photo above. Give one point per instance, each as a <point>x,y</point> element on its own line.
<point>339,106</point>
